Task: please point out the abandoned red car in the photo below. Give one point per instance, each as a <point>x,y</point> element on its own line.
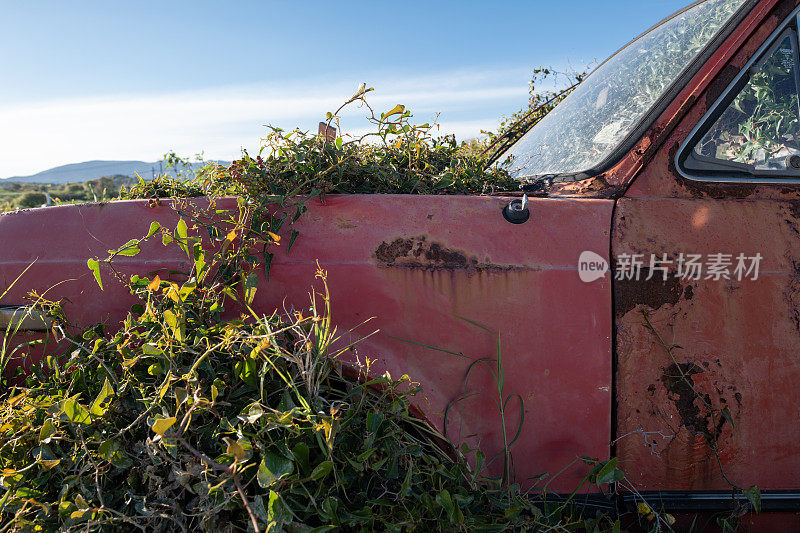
<point>646,289</point>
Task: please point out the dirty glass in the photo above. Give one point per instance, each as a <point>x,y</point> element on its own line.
<point>586,127</point>
<point>760,126</point>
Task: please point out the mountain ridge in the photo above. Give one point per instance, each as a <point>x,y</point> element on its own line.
<point>89,170</point>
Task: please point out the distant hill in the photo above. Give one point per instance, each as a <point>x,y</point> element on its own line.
<point>89,170</point>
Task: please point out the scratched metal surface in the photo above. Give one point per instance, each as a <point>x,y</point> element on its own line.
<point>739,340</point>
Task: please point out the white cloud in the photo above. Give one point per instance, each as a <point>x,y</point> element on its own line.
<point>219,122</point>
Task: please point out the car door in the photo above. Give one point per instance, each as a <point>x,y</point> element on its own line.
<point>706,243</point>
<point>410,267</point>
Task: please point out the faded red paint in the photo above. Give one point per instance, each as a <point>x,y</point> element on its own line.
<point>413,263</point>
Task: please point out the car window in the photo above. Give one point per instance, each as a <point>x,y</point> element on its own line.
<point>591,122</point>
<point>760,127</point>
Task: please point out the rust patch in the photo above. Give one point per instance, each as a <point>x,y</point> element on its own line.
<point>593,186</point>
<point>343,223</point>
<point>792,295</point>
<point>420,253</point>
<point>688,293</point>
<point>653,293</point>
<point>794,209</point>
<point>717,191</point>
<point>387,253</point>
<point>692,404</point>
<point>791,215</point>
<point>678,381</point>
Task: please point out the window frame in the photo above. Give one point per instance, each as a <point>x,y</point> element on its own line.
<point>655,111</point>
<point>709,169</point>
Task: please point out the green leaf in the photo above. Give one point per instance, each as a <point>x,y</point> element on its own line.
<point>94,266</point>
<point>609,473</point>
<point>112,452</point>
<point>129,248</point>
<point>170,319</point>
<point>394,111</point>
<point>75,411</point>
<point>199,259</point>
<point>47,431</point>
<point>444,500</point>
<point>246,371</point>
<point>154,227</point>
<point>164,388</point>
<point>301,455</point>
<point>237,450</point>
<point>267,262</point>
<point>405,487</point>
<point>182,231</point>
<point>177,326</point>
<point>149,349</point>
<point>180,395</point>
<point>81,514</point>
<point>322,470</point>
<point>338,143</point>
<point>726,414</point>
<point>278,514</point>
<point>272,468</point>
<point>182,237</point>
<point>753,495</point>
<point>251,284</point>
<point>101,402</point>
<point>374,421</point>
<point>253,413</point>
<point>292,238</point>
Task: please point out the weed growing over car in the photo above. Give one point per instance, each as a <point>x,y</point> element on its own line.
<point>398,157</point>
<point>199,414</point>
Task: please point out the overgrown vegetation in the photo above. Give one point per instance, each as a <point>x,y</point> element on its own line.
<point>199,414</point>
<point>540,103</point>
<point>398,158</point>
<point>760,126</point>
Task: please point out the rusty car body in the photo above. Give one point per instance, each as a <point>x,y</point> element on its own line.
<point>691,383</point>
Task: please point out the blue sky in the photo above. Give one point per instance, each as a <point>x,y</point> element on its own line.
<point>104,80</point>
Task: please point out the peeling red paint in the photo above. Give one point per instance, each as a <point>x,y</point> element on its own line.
<point>651,293</point>
<point>424,254</point>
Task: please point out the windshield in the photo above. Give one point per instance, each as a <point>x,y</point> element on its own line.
<point>592,121</point>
